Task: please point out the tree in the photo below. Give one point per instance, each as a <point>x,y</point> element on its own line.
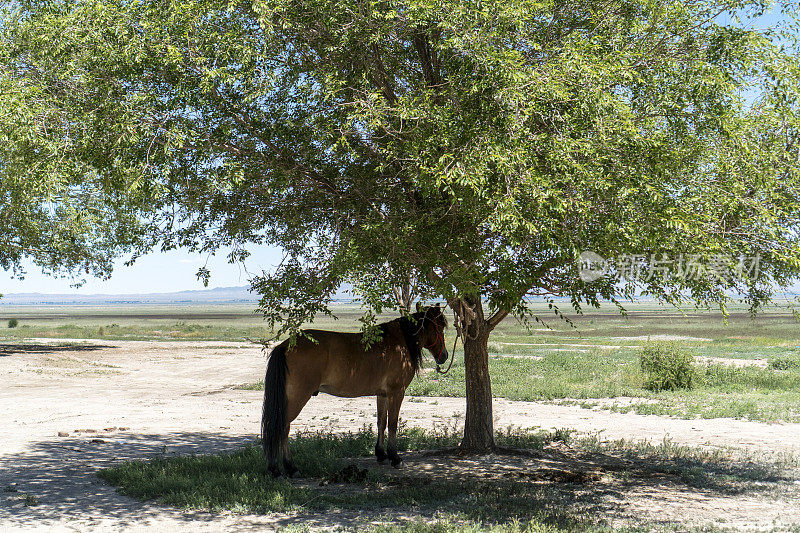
<point>476,148</point>
<point>59,213</point>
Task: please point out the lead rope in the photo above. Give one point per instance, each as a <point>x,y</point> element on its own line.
<point>459,333</point>
<point>452,356</point>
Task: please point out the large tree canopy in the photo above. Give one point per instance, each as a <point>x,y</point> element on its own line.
<point>476,148</point>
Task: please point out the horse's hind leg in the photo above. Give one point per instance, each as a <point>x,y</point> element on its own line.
<point>382,415</point>
<point>395,400</point>
<point>288,466</point>
<point>296,398</point>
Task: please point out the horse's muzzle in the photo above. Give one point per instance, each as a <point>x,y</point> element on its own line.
<point>442,357</point>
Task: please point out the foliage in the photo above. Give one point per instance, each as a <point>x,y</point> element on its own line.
<point>63,215</point>
<point>12,323</point>
<point>477,148</point>
<point>667,365</point>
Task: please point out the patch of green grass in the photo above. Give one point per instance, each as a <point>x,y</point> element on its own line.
<point>726,470</point>
<point>597,374</point>
<point>749,392</point>
<point>728,378</point>
<point>782,406</point>
<point>452,524</point>
<point>239,482</point>
<point>223,322</point>
<point>258,385</point>
<point>455,523</point>
<point>155,332</point>
<point>756,348</point>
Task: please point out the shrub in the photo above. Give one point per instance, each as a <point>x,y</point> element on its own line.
<point>667,366</point>
<point>788,362</point>
<point>13,323</point>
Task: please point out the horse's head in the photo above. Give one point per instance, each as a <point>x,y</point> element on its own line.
<point>431,333</point>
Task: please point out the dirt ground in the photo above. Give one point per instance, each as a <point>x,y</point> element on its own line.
<point>68,410</point>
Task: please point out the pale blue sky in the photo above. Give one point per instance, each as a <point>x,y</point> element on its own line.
<point>158,272</point>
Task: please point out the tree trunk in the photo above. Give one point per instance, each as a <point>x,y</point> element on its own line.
<point>404,295</point>
<point>478,424</point>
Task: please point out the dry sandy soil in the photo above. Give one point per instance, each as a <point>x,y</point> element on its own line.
<point>68,410</point>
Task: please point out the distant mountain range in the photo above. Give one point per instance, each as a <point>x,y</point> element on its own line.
<point>218,295</point>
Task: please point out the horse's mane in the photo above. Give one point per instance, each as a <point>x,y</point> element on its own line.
<point>409,328</point>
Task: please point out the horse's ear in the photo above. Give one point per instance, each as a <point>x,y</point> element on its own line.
<point>418,307</point>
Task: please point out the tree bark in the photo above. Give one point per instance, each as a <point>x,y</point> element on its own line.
<point>478,423</point>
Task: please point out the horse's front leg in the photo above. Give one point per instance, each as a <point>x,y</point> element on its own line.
<point>382,413</point>
<point>394,401</point>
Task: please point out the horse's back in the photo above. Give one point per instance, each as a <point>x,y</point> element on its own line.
<point>338,363</point>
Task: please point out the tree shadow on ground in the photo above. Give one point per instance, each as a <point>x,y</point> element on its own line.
<point>60,475</point>
<point>564,485</point>
<point>24,349</point>
<point>56,480</point>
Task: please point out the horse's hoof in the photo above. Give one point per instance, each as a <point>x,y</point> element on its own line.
<point>397,463</point>
<point>380,454</point>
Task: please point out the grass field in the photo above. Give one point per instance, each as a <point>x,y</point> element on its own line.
<point>771,329</point>
<point>224,322</point>
<point>764,394</point>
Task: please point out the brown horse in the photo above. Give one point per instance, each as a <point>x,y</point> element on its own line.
<point>339,364</point>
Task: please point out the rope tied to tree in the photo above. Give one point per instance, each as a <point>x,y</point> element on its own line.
<point>461,322</point>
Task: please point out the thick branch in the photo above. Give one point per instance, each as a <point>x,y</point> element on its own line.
<point>428,60</point>
<point>496,318</point>
<point>383,81</point>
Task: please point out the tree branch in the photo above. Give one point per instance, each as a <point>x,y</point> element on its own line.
<point>496,318</point>
<point>383,82</point>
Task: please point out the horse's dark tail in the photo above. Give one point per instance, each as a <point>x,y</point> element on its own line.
<point>273,414</point>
